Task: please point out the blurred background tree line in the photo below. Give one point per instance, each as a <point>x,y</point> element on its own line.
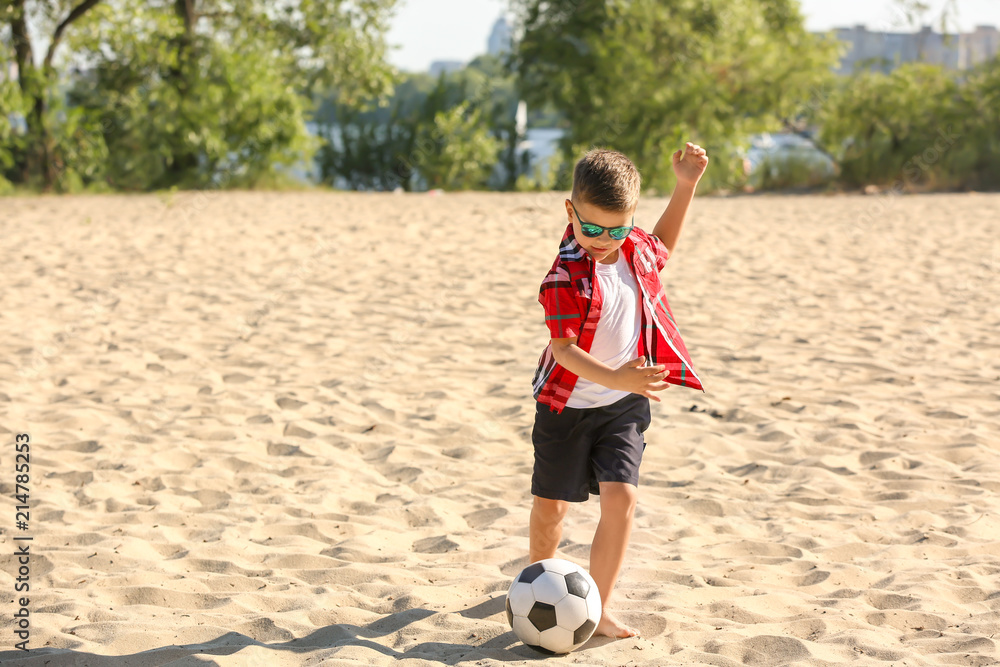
<point>217,93</point>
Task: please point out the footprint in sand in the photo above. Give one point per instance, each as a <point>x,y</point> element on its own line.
<point>484,518</point>
<point>289,403</point>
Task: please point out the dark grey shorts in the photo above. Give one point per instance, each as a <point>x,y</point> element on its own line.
<point>579,448</point>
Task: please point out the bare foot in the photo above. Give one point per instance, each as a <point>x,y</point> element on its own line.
<point>612,627</point>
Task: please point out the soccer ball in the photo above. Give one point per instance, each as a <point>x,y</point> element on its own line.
<point>553,606</point>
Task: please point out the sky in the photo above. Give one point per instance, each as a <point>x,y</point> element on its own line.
<point>429,30</point>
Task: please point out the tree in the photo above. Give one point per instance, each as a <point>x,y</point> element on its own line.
<point>11,109</point>
<point>367,145</point>
<point>215,112</point>
<point>493,86</point>
<point>414,137</point>
<point>37,81</point>
<point>456,152</point>
<point>876,124</point>
<point>920,127</point>
<point>643,76</point>
<point>981,113</point>
<point>198,92</point>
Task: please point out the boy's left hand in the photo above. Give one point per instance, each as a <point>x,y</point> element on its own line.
<point>690,163</point>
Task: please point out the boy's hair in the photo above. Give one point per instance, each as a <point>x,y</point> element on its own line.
<point>608,180</point>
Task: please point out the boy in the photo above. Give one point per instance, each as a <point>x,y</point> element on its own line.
<point>606,313</point>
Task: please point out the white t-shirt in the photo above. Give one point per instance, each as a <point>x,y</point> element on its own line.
<point>616,340</point>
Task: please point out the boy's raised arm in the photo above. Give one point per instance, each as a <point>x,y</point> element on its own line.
<point>689,165</point>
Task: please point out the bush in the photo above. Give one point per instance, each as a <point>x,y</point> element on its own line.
<point>12,139</point>
<point>918,128</point>
<point>458,151</point>
<point>792,169</point>
<point>542,180</point>
<point>978,158</point>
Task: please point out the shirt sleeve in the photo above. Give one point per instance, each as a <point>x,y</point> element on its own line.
<point>660,250</point>
<point>562,307</point>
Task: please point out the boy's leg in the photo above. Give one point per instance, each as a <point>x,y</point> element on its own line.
<point>607,553</point>
<point>545,528</point>
<point>616,457</point>
<point>562,471</point>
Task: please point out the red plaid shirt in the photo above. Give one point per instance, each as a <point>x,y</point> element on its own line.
<point>572,301</point>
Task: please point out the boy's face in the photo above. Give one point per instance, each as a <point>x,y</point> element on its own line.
<point>602,248</point>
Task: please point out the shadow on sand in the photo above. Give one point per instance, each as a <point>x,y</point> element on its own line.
<point>504,648</point>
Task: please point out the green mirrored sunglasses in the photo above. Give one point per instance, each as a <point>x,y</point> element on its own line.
<point>592,231</point>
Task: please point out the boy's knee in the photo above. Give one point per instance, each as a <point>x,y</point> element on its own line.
<point>551,511</point>
<point>618,497</point>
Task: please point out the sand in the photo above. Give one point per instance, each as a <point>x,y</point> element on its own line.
<point>293,429</point>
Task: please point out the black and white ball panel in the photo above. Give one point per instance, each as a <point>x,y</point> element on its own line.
<point>553,605</point>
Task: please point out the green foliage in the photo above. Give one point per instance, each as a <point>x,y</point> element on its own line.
<point>874,122</point>
<point>221,98</point>
<point>978,151</point>
<point>457,151</point>
<point>367,145</point>
<point>791,170</point>
<point>414,138</point>
<point>541,179</point>
<point>342,43</point>
<point>76,158</point>
<point>646,75</point>
<point>225,117</point>
<point>217,97</point>
<point>12,141</point>
<point>365,150</point>
<point>919,127</point>
<point>81,159</point>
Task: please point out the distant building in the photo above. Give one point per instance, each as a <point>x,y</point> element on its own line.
<point>885,51</point>
<point>500,38</point>
<point>979,46</point>
<point>439,67</point>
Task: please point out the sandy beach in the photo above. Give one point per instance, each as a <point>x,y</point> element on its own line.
<point>286,429</point>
